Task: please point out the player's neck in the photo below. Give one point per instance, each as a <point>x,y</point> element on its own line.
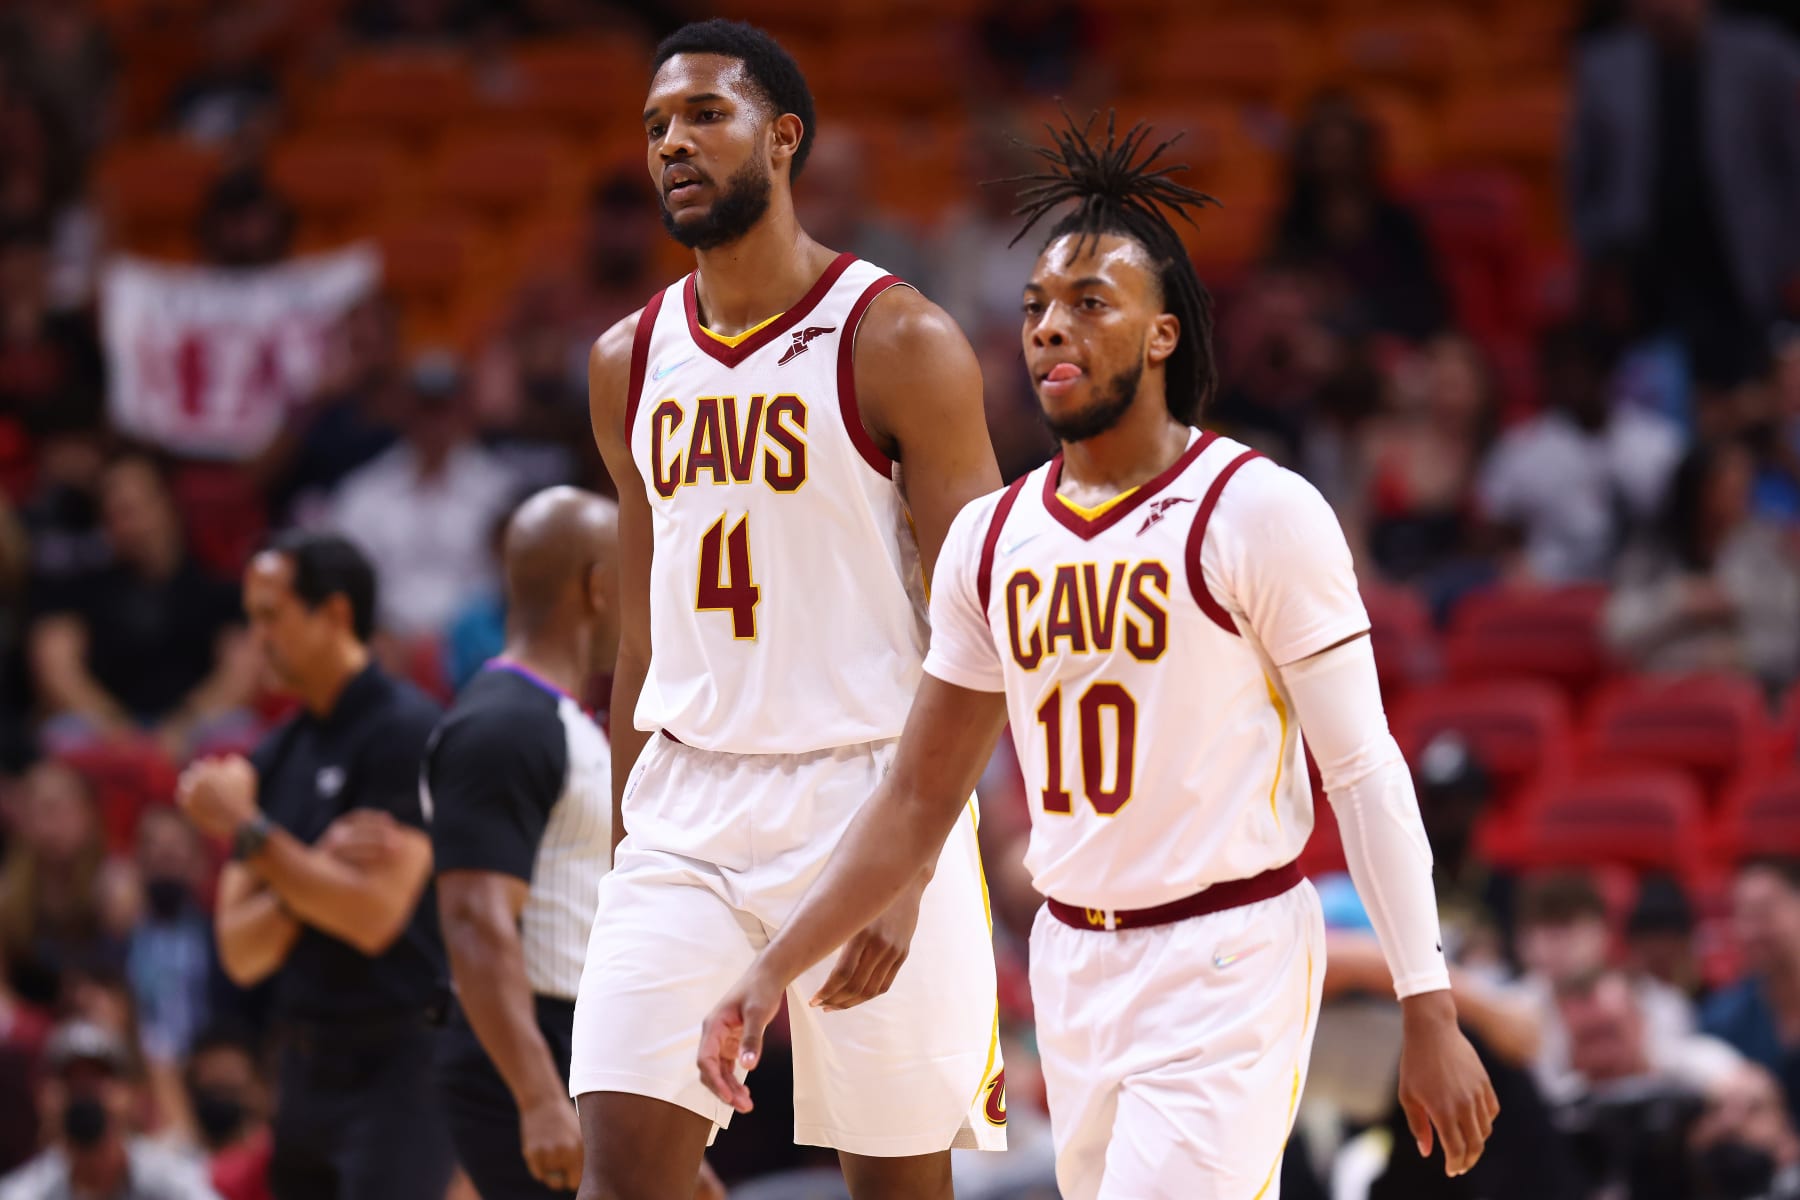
<point>1139,448</point>
<point>764,272</point>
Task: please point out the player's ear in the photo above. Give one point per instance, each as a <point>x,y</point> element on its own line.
<point>1165,332</point>
<point>785,132</point>
<point>598,585</point>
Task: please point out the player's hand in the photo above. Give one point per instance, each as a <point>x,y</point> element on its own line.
<point>868,963</point>
<point>550,1135</point>
<point>1443,1085</point>
<point>732,1035</point>
<point>363,838</point>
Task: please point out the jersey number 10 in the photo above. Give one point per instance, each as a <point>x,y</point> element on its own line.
<point>725,582</point>
<point>1093,703</point>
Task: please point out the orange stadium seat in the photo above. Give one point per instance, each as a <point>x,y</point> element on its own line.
<point>1517,123</point>
<point>1519,729</point>
<point>499,175</point>
<point>333,181</point>
<point>408,94</point>
<point>1261,58</point>
<point>1644,817</point>
<point>1408,137</point>
<point>1711,725</point>
<point>1428,50</point>
<point>581,83</point>
<point>904,71</point>
<point>151,190</point>
<point>1548,634</point>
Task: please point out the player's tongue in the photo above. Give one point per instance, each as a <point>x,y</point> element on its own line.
<point>1063,373</point>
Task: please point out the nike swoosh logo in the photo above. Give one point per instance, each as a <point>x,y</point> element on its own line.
<point>1018,543</point>
<point>660,372</point>
<point>1221,961</point>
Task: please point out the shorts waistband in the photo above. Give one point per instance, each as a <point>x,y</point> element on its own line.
<point>1233,893</point>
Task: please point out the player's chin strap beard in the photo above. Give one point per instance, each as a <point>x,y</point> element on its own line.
<point>1108,409</point>
<point>738,206</point>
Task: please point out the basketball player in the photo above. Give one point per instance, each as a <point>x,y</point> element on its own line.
<point>756,417</point>
<point>1152,610</point>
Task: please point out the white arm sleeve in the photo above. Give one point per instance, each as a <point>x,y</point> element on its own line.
<point>1338,702</point>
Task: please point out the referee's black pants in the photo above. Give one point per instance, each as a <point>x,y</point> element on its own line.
<point>484,1119</point>
<point>357,1116</point>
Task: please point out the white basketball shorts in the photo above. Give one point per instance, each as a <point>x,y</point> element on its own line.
<point>720,849</point>
<point>1174,1055</point>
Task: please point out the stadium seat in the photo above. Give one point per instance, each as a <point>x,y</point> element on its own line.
<point>1548,634</point>
<point>333,181</point>
<point>1711,725</point>
<point>1519,729</point>
<point>580,83</point>
<point>1477,221</point>
<point>151,189</point>
<point>222,512</point>
<point>1514,124</point>
<point>904,71</point>
<point>127,776</point>
<point>1647,817</point>
<point>1259,58</point>
<point>500,176</point>
<point>1759,814</point>
<point>1427,51</point>
<point>407,94</point>
<point>1406,649</point>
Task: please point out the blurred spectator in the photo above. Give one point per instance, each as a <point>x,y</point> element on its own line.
<point>1037,47</point>
<point>90,1101</point>
<point>1760,1014</point>
<point>243,222</point>
<point>51,369</point>
<point>61,52</point>
<point>1715,590</point>
<point>478,630</point>
<point>424,511</point>
<point>1578,479</point>
<point>1686,152</point>
<point>1744,1143</point>
<point>149,642</point>
<point>417,20</point>
<point>233,92</point>
<point>1659,936</point>
<point>837,210</point>
<point>23,1030</point>
<point>351,420</point>
<point>1339,219</point>
<point>1279,346</point>
<point>1635,1098</point>
<point>229,1097</point>
<point>980,277</point>
<point>169,958</point>
<point>50,915</point>
<point>1564,939</point>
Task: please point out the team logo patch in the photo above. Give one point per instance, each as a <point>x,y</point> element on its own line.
<point>801,338</point>
<point>1159,510</point>
<point>995,1107</point>
<point>330,781</point>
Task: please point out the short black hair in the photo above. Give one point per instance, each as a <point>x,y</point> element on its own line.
<point>1782,866</point>
<point>772,68</point>
<point>1560,899</point>
<point>327,565</point>
<point>1119,190</point>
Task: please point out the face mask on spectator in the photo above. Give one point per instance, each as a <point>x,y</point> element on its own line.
<point>219,1114</point>
<point>84,1121</point>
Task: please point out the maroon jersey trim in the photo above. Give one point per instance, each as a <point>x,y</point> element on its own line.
<point>1085,529</point>
<point>984,574</point>
<point>640,354</point>
<point>846,376</point>
<point>1197,539</point>
<point>731,356</point>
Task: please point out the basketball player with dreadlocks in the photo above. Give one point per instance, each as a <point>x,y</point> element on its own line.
<point>1153,609</point>
<point>792,433</point>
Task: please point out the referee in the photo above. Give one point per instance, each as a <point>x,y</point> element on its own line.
<point>518,797</point>
<point>328,890</point>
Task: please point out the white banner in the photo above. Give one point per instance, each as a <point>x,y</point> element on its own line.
<point>207,361</point>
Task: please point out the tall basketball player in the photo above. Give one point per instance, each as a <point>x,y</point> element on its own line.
<point>792,432</point>
<point>1149,609</point>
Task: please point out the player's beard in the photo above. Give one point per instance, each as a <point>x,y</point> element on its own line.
<point>740,204</point>
<point>1107,409</point>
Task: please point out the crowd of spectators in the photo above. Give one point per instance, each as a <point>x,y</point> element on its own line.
<point>1648,440</point>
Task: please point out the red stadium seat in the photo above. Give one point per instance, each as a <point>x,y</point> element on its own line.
<point>127,777</point>
<point>397,93</point>
<point>1759,814</point>
<point>1711,725</point>
<point>1548,634</point>
<point>581,83</point>
<point>222,512</point>
<point>1647,818</point>
<point>1518,729</point>
<point>1406,650</point>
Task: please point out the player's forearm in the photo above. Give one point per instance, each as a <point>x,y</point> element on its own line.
<point>1339,705</point>
<point>889,848</point>
<point>330,895</point>
<point>488,965</point>
<point>627,739</point>
<point>255,934</point>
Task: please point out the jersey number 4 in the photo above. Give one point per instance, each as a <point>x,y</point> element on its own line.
<point>1091,710</point>
<point>725,582</point>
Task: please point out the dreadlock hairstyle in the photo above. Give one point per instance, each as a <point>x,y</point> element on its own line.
<point>1119,190</point>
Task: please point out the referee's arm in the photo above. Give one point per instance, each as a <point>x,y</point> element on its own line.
<point>493,780</point>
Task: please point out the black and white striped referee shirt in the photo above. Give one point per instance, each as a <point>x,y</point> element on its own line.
<point>517,779</point>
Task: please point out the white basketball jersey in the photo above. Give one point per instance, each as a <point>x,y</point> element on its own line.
<point>786,600</point>
<point>1156,739</point>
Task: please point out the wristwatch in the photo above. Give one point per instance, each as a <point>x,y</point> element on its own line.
<point>250,836</point>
